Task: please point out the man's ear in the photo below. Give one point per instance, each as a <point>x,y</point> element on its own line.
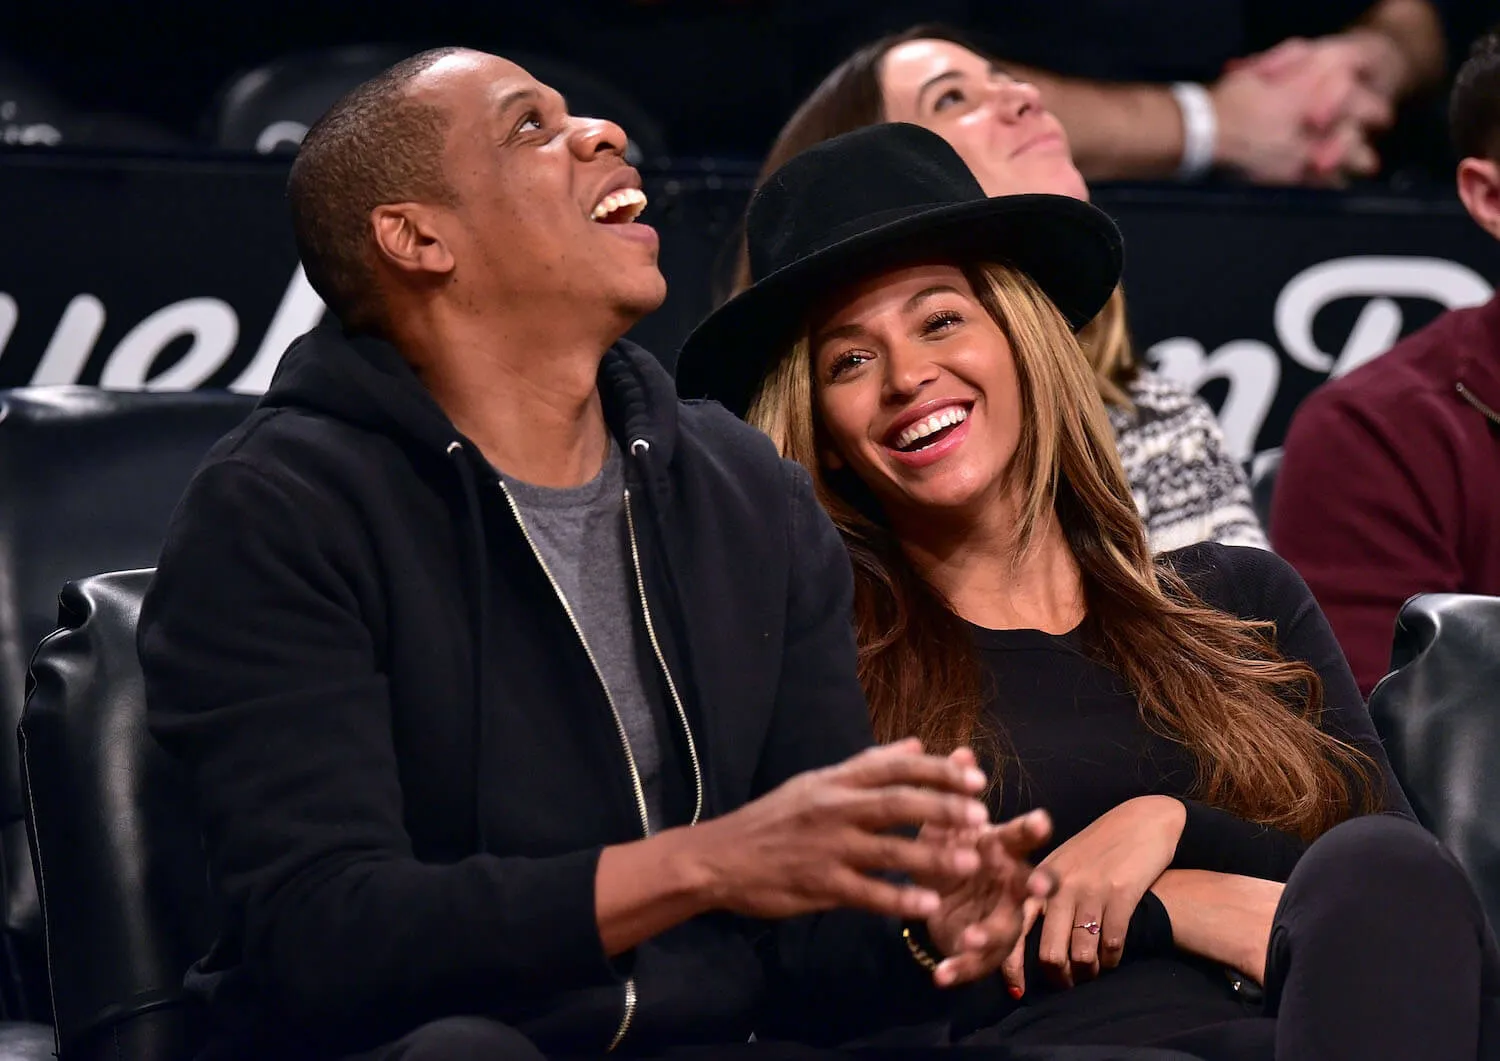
<point>1479,188</point>
<point>407,239</point>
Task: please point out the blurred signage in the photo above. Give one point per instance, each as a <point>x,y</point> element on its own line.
<point>177,274</point>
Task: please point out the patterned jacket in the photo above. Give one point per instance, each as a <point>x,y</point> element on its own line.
<point>1186,487</point>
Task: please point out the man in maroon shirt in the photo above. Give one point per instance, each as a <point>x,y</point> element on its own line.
<point>1390,485</point>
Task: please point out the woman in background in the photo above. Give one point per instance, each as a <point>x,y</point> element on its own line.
<point>1185,486</point>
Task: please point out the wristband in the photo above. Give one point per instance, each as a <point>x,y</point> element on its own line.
<point>1200,129</point>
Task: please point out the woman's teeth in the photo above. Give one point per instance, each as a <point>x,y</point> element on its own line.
<point>931,426</point>
<point>630,201</point>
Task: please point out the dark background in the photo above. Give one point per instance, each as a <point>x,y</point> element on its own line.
<point>721,75</point>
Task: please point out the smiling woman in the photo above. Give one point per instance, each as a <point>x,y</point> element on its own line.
<point>1185,485</point>
<point>1187,719</point>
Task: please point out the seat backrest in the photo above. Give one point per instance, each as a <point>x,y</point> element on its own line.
<point>88,481</point>
<point>269,109</point>
<point>31,114</point>
<point>1438,713</point>
<point>124,883</point>
<point>1263,470</point>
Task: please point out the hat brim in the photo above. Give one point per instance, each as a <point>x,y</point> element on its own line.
<point>1071,250</point>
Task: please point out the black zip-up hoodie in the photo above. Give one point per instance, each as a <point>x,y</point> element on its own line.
<point>406,765</point>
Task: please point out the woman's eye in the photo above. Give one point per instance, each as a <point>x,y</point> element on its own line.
<point>950,98</point>
<point>844,362</point>
<point>941,321</point>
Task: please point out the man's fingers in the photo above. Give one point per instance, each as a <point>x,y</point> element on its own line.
<point>964,758</point>
<point>893,805</point>
<point>964,969</point>
<point>848,888</point>
<point>939,865</point>
<point>999,928</point>
<point>997,942</point>
<point>909,769</point>
<point>901,764</point>
<point>1022,835</point>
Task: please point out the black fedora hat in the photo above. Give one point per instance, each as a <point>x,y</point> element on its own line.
<point>878,198</point>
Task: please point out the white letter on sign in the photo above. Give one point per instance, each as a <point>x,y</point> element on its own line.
<point>214,328</point>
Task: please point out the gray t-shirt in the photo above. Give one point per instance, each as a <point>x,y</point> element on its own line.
<point>583,537</point>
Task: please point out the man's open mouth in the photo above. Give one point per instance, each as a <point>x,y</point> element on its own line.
<point>620,208</point>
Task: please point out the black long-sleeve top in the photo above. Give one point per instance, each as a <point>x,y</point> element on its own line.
<point>1076,745</point>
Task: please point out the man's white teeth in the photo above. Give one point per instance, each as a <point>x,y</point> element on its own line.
<point>933,424</point>
<point>630,200</point>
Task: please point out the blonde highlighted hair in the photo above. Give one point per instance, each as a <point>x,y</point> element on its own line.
<point>1210,681</point>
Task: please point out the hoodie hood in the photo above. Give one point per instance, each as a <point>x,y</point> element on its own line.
<point>366,382</point>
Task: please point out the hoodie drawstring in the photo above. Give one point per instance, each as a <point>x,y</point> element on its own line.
<point>481,608</point>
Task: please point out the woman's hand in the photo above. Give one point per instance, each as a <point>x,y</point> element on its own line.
<point>1221,916</point>
<point>1102,874</point>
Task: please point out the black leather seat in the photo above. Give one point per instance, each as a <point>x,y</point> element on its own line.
<point>88,481</point>
<point>32,115</point>
<point>269,109</point>
<point>1262,472</point>
<point>1439,715</point>
<point>125,895</point>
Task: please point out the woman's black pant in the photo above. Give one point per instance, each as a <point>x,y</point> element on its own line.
<point>1379,949</point>
<point>481,1039</point>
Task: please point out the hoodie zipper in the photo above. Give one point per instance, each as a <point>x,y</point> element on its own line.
<point>1467,395</point>
<point>631,1000</point>
<point>661,661</point>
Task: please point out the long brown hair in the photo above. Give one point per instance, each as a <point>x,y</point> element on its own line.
<point>850,98</point>
<point>1210,681</point>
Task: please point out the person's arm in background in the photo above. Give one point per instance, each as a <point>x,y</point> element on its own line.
<point>1416,30</point>
<point>1397,47</point>
<point>1136,131</point>
<point>1298,113</point>
<point>1352,82</point>
<point>1360,514</point>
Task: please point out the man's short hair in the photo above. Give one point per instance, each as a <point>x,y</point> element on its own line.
<point>1474,109</point>
<point>376,145</point>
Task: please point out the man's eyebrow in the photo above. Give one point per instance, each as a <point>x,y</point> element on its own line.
<point>515,96</point>
<point>528,94</point>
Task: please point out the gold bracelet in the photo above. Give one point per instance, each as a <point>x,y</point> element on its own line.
<point>924,959</point>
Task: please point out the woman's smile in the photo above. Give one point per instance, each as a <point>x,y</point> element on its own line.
<point>929,433</point>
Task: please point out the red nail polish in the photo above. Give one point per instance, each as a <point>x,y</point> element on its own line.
<point>1016,992</point>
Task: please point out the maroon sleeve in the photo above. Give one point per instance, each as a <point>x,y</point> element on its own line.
<point>1363,510</point>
